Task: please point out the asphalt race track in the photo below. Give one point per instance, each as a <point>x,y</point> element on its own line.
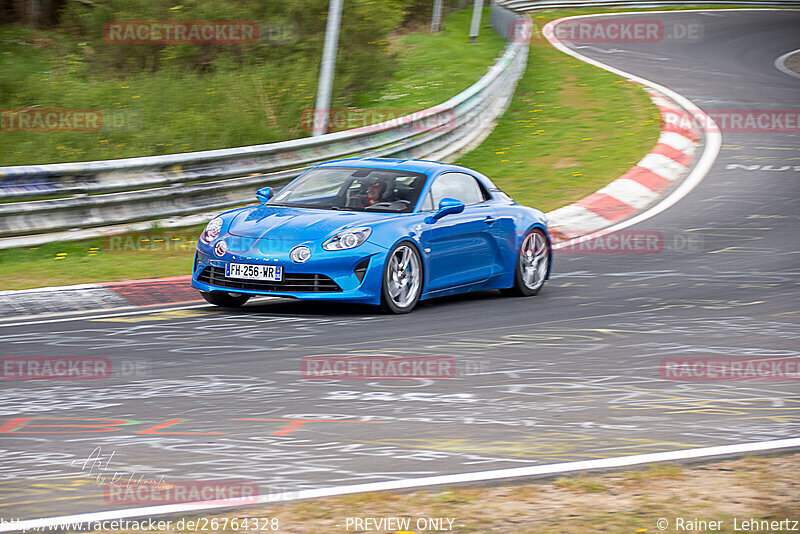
<point>573,373</point>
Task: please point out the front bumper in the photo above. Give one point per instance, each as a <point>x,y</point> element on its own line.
<point>327,276</point>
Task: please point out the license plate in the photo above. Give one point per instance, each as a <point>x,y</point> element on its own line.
<point>272,273</point>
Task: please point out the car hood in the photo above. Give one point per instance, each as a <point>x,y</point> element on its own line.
<point>295,224</point>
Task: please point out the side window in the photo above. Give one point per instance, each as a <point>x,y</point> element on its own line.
<point>457,185</point>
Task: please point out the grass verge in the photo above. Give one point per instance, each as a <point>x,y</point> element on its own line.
<point>154,253</point>
<point>637,500</point>
<point>427,74</point>
<point>170,111</point>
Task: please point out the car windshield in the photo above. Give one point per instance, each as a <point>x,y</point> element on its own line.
<point>353,189</point>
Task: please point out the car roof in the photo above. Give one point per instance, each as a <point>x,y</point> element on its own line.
<point>408,165</point>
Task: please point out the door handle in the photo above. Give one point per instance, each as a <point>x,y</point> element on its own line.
<point>490,220</point>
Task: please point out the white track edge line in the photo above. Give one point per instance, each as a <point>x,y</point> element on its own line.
<point>47,289</point>
<point>479,476</point>
<point>110,312</point>
<point>713,139</point>
<point>101,314</point>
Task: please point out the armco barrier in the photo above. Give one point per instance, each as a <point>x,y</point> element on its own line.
<point>113,192</point>
<point>530,5</point>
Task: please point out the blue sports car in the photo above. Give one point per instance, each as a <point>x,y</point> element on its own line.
<point>385,232</point>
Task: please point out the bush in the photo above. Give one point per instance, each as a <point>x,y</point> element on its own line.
<point>291,32</point>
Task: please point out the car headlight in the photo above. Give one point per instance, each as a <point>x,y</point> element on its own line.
<point>300,254</point>
<point>220,248</point>
<point>347,239</point>
<point>212,230</point>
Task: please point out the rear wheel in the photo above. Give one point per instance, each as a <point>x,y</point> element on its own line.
<point>533,262</point>
<point>402,279</point>
<point>225,299</point>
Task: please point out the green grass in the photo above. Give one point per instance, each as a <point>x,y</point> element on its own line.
<point>103,259</point>
<point>172,111</point>
<point>571,129</point>
<point>425,76</point>
<point>156,113</point>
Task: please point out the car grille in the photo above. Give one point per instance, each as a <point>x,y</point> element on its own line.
<point>292,282</point>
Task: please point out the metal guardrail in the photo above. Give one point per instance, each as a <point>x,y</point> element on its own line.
<point>103,193</point>
<point>530,5</point>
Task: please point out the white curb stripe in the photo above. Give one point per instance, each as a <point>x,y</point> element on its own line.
<point>662,102</point>
<point>678,142</point>
<point>680,120</point>
<point>422,482</point>
<point>630,192</point>
<point>663,166</point>
<point>573,219</point>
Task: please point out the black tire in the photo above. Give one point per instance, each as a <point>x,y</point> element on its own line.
<point>225,299</point>
<point>521,287</point>
<point>402,302</point>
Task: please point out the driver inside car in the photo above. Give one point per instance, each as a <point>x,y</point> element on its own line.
<point>374,193</point>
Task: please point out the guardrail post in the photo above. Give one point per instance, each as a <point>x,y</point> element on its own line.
<point>326,70</point>
<point>475,27</point>
<point>436,19</point>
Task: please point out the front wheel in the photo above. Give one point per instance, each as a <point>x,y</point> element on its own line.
<point>225,299</point>
<point>533,263</point>
<point>402,279</point>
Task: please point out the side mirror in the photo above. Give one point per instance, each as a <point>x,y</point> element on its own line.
<point>448,206</point>
<point>264,194</point>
